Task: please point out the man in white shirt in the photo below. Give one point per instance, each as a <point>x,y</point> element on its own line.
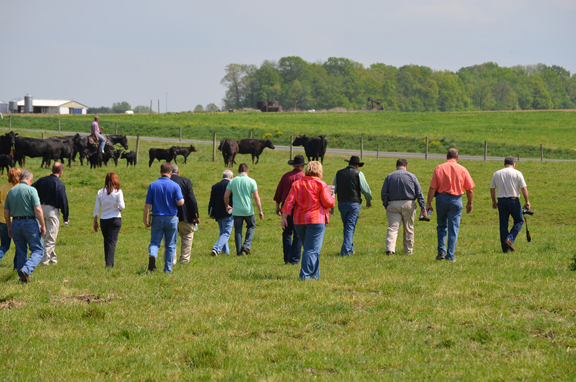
<point>509,182</point>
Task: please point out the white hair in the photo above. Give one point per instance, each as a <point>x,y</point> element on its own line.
<point>227,174</point>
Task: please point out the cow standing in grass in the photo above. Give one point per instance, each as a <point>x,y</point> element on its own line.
<point>314,147</point>
<point>184,151</point>
<point>229,149</point>
<point>254,147</point>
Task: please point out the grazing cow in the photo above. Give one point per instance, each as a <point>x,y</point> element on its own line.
<point>6,162</point>
<point>47,149</point>
<point>254,147</point>
<point>80,146</point>
<point>160,154</point>
<point>229,149</point>
<point>106,156</point>
<point>130,157</point>
<point>315,147</point>
<point>66,152</point>
<point>184,151</point>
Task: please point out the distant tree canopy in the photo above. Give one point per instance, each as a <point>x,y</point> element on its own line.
<point>340,82</point>
<point>117,107</point>
<point>142,109</point>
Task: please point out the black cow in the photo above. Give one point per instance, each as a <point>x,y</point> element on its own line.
<point>229,149</point>
<point>47,149</point>
<point>130,157</point>
<point>184,151</point>
<point>6,142</point>
<point>315,147</point>
<point>66,152</point>
<point>115,155</point>
<point>160,154</point>
<point>254,147</point>
<point>80,146</point>
<point>6,162</point>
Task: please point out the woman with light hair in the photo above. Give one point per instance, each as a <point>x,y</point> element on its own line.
<point>110,200</point>
<point>5,241</point>
<point>311,200</point>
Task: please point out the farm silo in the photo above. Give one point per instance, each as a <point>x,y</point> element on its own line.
<point>13,106</point>
<point>28,107</point>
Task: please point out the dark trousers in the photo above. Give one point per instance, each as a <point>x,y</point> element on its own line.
<point>250,226</point>
<point>509,207</point>
<point>291,243</point>
<point>110,229</point>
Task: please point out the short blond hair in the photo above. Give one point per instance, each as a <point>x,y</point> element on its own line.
<point>314,168</point>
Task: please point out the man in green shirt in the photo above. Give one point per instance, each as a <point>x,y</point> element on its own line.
<point>27,225</point>
<point>350,184</point>
<point>243,188</point>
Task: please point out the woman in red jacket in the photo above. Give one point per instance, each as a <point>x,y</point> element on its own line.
<point>311,200</point>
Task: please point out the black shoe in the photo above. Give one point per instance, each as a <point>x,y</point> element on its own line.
<point>508,242</point>
<point>441,256</point>
<point>389,253</point>
<point>246,250</point>
<point>24,277</point>
<point>151,263</point>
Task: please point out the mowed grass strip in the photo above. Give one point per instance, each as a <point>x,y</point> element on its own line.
<point>507,133</point>
<point>489,316</point>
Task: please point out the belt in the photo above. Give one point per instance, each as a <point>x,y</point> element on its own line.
<point>510,197</point>
<point>23,217</point>
<point>446,193</point>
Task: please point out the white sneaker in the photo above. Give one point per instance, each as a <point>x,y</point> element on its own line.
<point>214,253</point>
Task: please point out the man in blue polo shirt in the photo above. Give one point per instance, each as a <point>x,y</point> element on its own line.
<point>164,197</point>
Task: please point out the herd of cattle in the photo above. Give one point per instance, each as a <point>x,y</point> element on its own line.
<point>14,148</point>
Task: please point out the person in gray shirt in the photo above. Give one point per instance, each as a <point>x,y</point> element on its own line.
<point>399,192</point>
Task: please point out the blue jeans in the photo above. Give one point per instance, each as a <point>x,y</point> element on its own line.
<point>509,207</point>
<point>5,240</point>
<point>311,236</point>
<point>102,143</point>
<point>250,225</point>
<point>448,213</point>
<point>225,226</point>
<point>164,227</point>
<point>291,243</point>
<point>26,234</point>
<point>349,212</point>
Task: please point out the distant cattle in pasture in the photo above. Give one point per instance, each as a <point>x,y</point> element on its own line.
<point>229,149</point>
<point>254,147</point>
<point>160,154</point>
<point>47,149</point>
<point>6,162</point>
<point>130,157</point>
<point>314,147</point>
<point>184,151</point>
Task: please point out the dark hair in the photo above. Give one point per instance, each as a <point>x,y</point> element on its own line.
<point>165,168</point>
<point>401,162</point>
<point>452,153</point>
<point>509,161</point>
<point>243,167</point>
<point>111,182</point>
<point>57,168</point>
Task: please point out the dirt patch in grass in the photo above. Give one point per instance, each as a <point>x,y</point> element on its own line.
<point>87,298</point>
<point>10,304</point>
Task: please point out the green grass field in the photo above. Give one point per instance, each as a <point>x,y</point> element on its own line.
<point>489,316</point>
<point>507,133</point>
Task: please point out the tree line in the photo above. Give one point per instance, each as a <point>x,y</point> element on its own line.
<point>118,108</point>
<point>343,83</point>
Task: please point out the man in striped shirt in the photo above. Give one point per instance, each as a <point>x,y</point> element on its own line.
<point>399,191</point>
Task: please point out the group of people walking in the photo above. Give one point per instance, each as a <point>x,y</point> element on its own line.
<point>303,200</point>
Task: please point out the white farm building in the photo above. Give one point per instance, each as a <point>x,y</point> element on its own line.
<point>49,106</point>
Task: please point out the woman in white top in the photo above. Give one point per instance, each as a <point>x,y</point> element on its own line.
<point>111,201</point>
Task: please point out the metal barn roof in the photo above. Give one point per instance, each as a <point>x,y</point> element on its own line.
<point>53,103</point>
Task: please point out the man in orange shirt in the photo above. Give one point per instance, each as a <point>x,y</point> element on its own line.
<point>448,182</point>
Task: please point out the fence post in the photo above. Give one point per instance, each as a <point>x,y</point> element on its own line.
<point>180,133</point>
<point>361,147</point>
<point>137,147</point>
<point>158,106</point>
<point>116,128</point>
<point>42,135</point>
<point>426,153</point>
<point>291,147</point>
<point>378,152</point>
<point>485,150</point>
<point>541,153</point>
<point>58,125</point>
<point>214,147</point>
<point>150,106</point>
<point>10,125</point>
<point>250,134</point>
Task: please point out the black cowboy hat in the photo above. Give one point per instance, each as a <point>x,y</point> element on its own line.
<point>298,161</point>
<point>354,160</point>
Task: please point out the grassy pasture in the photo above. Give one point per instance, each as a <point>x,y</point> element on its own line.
<point>507,133</point>
<point>488,316</point>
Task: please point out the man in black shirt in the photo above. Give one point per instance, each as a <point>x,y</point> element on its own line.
<point>52,194</point>
<point>187,215</point>
<point>217,211</point>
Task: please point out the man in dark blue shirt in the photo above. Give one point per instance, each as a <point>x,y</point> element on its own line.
<point>52,193</point>
<point>217,211</point>
<point>164,197</point>
<point>399,191</point>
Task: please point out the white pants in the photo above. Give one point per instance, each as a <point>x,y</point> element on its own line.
<point>52,221</point>
<point>401,211</point>
<point>186,232</point>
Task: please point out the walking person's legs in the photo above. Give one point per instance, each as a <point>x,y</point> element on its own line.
<point>238,222</point>
<point>52,221</point>
<point>186,232</point>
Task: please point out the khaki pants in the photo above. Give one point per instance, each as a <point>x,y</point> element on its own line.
<point>186,232</point>
<point>52,220</point>
<point>401,211</point>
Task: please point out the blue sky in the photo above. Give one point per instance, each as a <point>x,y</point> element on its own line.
<point>100,52</point>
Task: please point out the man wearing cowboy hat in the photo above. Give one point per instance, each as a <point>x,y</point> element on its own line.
<point>290,240</point>
<point>349,185</point>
